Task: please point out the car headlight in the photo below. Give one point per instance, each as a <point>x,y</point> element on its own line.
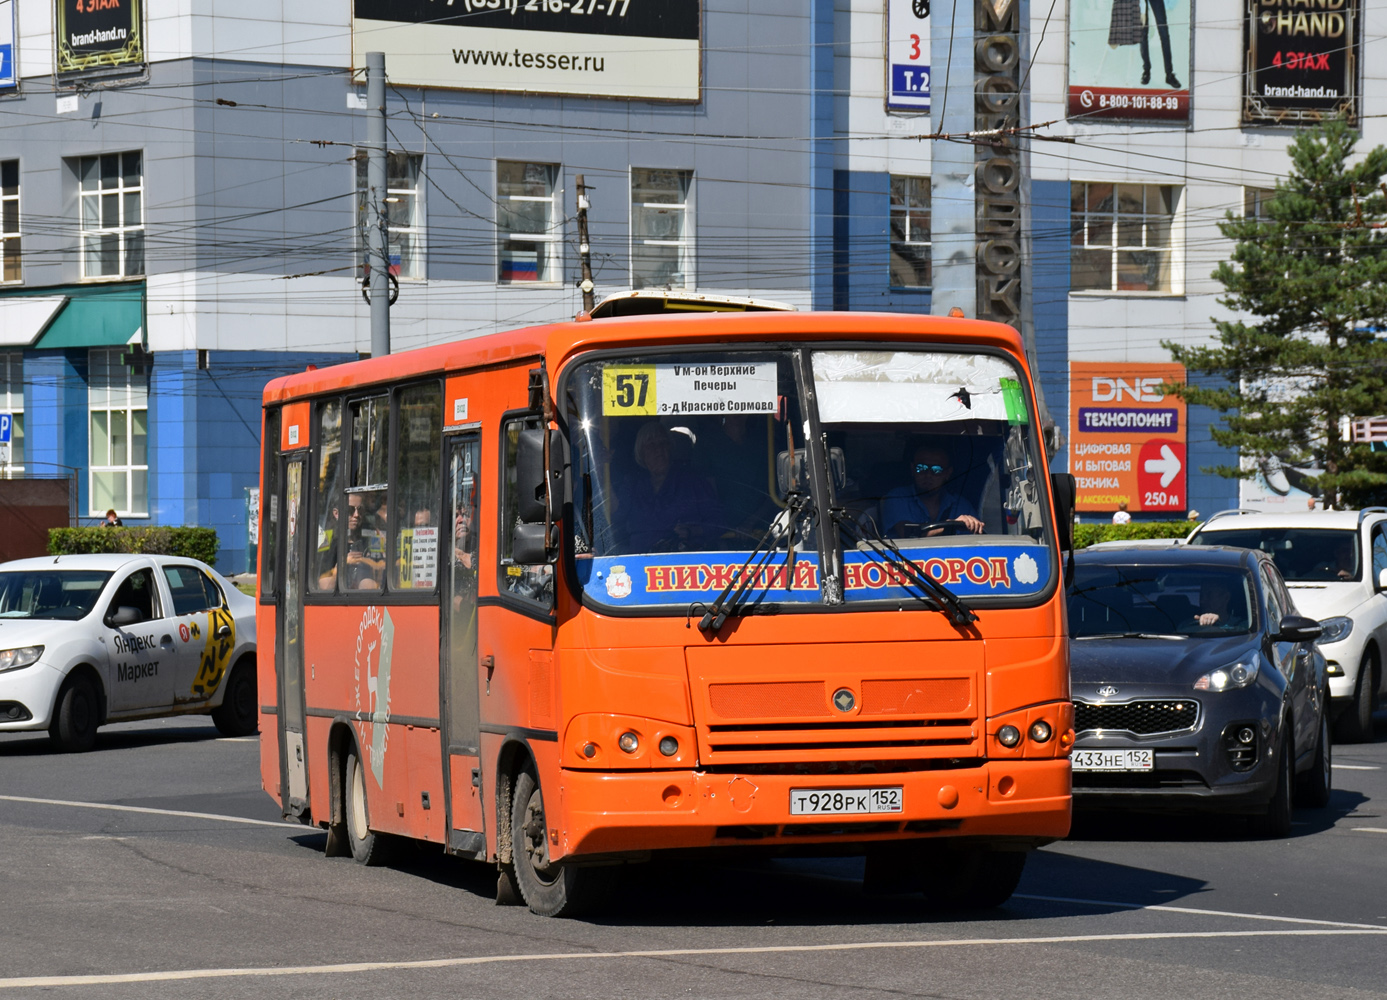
<point>1239,675</point>
<point>1335,629</point>
<point>13,659</point>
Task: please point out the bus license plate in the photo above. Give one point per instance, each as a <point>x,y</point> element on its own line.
<point>1112,760</point>
<point>845,801</point>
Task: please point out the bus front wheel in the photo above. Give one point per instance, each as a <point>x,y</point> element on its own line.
<point>549,889</point>
<point>368,848</point>
<point>972,878</point>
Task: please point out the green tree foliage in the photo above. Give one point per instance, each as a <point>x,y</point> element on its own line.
<point>1310,283</point>
<point>191,543</point>
<point>1091,534</point>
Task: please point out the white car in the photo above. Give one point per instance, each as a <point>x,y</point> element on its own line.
<point>86,640</point>
<point>1335,564</point>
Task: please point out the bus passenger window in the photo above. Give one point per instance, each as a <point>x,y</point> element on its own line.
<point>327,501</point>
<point>417,488</point>
<point>534,583</point>
<point>366,531</point>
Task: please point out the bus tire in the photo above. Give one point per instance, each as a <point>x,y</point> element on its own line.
<point>238,714</point>
<point>76,714</point>
<point>975,878</point>
<point>549,890</point>
<point>368,848</point>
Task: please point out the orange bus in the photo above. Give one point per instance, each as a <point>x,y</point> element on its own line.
<point>568,597</point>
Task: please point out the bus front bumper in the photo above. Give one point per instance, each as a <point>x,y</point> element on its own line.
<point>607,813</point>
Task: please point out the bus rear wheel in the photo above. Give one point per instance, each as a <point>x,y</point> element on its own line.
<point>368,847</point>
<point>549,889</point>
<point>972,878</point>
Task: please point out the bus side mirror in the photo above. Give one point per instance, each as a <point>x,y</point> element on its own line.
<point>792,470</point>
<point>530,474</point>
<point>529,546</point>
<point>1063,487</point>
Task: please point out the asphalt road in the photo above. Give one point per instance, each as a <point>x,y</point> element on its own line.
<point>150,902</point>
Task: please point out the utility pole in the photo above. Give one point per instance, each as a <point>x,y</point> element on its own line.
<point>584,249</point>
<point>377,239</point>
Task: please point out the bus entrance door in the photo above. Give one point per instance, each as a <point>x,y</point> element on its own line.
<point>289,656</point>
<point>459,680</point>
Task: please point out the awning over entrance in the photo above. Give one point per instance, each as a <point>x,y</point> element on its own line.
<point>73,316</point>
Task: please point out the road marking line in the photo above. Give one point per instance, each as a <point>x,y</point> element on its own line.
<point>1367,829</point>
<point>1204,913</point>
<point>1355,767</point>
<point>155,812</point>
<point>445,963</point>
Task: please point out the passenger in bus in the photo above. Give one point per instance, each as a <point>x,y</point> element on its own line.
<point>464,554</point>
<point>365,541</point>
<point>326,562</point>
<point>931,497</point>
<point>663,507</point>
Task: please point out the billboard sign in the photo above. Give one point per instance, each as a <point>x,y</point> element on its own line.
<point>1129,59</point>
<point>96,35</point>
<point>907,55</point>
<point>9,73</point>
<point>1127,437</point>
<point>1302,60</point>
<point>648,49</point>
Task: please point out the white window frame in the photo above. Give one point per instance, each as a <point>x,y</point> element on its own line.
<point>12,402</point>
<point>686,241</point>
<point>413,268</point>
<point>1254,202</point>
<point>551,237</point>
<point>905,209</point>
<point>11,247</point>
<point>1175,249</point>
<point>94,221</point>
<point>112,389</point>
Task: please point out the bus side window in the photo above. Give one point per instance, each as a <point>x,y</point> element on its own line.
<point>416,523</point>
<point>327,500</point>
<point>533,583</point>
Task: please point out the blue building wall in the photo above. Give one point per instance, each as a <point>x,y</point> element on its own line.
<point>1208,492</point>
<point>862,247</point>
<point>1050,300</point>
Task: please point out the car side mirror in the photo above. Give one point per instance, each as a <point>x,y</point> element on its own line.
<point>530,475</point>
<point>123,615</point>
<point>1064,488</point>
<point>1295,628</point>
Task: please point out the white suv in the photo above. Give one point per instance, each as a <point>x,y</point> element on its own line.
<point>1335,563</point>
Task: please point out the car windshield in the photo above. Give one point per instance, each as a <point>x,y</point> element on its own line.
<point>932,454</point>
<point>1303,555</point>
<point>50,593</point>
<point>1159,600</point>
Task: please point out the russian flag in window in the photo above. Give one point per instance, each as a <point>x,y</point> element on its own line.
<point>520,265</point>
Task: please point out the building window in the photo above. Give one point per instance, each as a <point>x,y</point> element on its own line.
<point>12,405</point>
<point>910,244</point>
<point>527,231</point>
<point>118,402</point>
<point>1255,202</point>
<point>112,215</point>
<point>661,230</point>
<point>404,213</point>
<point>9,220</point>
<point>1120,237</point>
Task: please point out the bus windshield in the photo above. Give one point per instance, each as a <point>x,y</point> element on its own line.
<point>684,463</point>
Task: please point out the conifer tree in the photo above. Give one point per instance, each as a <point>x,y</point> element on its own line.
<point>1308,280</point>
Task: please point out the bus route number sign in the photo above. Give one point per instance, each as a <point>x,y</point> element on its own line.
<point>675,390</point>
<point>629,391</point>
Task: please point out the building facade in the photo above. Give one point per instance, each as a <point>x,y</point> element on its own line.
<point>182,208</point>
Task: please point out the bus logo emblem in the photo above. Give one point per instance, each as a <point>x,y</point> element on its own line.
<point>618,583</point>
<point>844,700</point>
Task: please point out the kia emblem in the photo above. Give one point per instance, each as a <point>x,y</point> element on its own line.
<point>1107,691</point>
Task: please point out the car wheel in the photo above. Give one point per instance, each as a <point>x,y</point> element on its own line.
<point>238,714</point>
<point>973,879</point>
<point>76,714</point>
<point>1276,821</point>
<point>368,848</point>
<point>1313,787</point>
<point>550,890</point>
<point>1355,724</point>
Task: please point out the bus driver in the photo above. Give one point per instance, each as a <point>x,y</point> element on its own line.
<point>930,499</point>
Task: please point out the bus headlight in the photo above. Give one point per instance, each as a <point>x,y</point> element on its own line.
<point>13,659</point>
<point>1041,731</point>
<point>1008,736</point>
<point>629,742</point>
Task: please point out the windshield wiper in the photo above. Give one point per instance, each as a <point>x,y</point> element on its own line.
<point>782,527</point>
<point>1132,635</point>
<point>939,596</point>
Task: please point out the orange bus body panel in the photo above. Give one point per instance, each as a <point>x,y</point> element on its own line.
<point>744,706</point>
